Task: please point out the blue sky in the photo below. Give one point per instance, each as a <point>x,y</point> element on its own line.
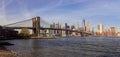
<point>106,12</point>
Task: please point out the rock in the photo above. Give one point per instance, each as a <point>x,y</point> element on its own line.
<point>5,44</point>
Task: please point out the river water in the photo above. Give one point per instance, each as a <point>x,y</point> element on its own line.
<point>66,47</point>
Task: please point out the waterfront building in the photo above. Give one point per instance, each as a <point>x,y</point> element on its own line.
<point>58,32</point>
<point>87,27</point>
<point>100,29</point>
<point>66,32</point>
<point>113,31</point>
<point>118,34</point>
<point>108,32</point>
<point>55,32</point>
<point>105,32</point>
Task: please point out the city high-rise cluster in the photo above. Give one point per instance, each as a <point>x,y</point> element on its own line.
<point>108,32</point>
<point>66,30</point>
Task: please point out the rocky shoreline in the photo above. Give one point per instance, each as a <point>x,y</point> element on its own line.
<point>4,52</point>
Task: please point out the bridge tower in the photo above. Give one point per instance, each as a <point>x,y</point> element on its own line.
<point>36,26</point>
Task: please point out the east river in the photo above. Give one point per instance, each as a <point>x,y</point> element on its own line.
<point>66,47</point>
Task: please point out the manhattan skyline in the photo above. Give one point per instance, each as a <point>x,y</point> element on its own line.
<point>70,11</point>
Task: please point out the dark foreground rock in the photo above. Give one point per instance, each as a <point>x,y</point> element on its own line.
<point>5,44</point>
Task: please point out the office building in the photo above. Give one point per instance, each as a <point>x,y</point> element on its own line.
<point>113,31</point>
<point>100,28</point>
<point>87,27</point>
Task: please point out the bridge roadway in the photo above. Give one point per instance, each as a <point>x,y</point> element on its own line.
<point>50,29</point>
<point>42,28</point>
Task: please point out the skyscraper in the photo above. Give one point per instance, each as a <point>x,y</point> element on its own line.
<point>88,27</point>
<point>83,24</point>
<point>100,28</point>
<point>113,31</point>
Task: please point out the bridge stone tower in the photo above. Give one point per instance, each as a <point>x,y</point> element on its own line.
<point>36,26</point>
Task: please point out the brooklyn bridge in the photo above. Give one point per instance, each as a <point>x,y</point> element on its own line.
<point>41,28</point>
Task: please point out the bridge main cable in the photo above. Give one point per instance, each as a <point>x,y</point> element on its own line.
<point>17,22</point>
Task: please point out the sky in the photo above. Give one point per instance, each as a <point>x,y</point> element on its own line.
<point>73,12</point>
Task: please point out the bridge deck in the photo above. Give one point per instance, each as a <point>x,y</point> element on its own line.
<point>50,29</point>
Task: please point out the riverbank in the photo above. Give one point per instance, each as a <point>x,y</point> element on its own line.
<point>5,53</point>
<point>55,37</point>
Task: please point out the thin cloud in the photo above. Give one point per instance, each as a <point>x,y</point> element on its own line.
<point>54,10</point>
<point>2,13</point>
<point>3,5</point>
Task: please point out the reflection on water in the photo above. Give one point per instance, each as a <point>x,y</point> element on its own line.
<point>66,47</point>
